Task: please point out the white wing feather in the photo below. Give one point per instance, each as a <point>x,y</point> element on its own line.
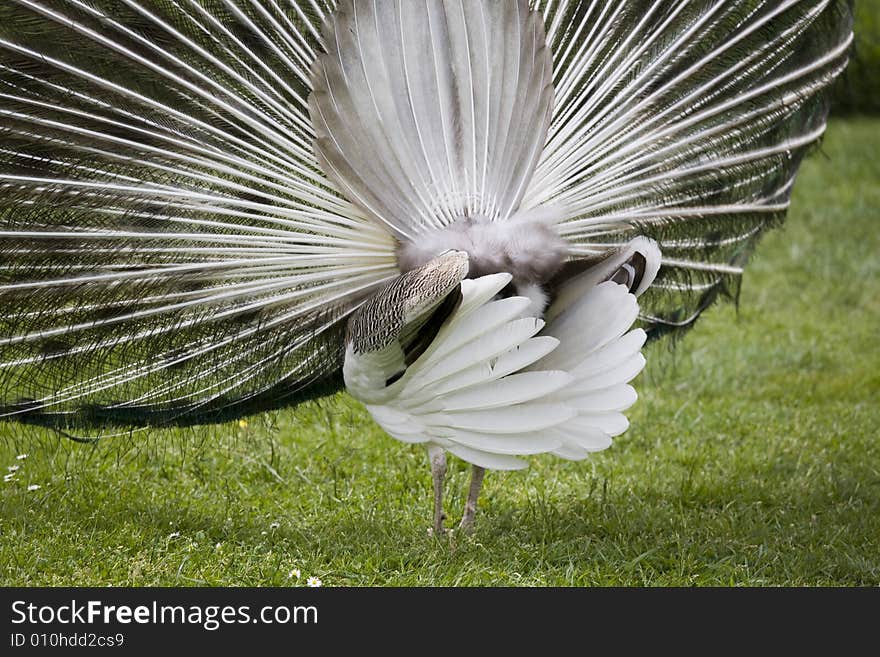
<point>489,389</point>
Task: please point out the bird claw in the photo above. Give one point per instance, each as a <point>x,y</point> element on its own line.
<point>438,529</point>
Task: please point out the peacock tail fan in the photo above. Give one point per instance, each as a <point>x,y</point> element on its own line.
<point>173,253</point>
<point>170,251</point>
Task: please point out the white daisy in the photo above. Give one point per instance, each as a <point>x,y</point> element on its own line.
<point>314,582</point>
<point>294,573</point>
<point>34,487</point>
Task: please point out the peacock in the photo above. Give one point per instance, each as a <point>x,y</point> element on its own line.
<point>471,214</point>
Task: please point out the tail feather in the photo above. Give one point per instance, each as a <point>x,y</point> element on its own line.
<point>169,247</point>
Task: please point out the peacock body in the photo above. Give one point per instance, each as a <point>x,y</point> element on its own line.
<point>458,209</point>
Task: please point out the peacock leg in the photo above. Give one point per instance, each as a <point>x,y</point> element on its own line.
<point>437,455</point>
<point>470,507</point>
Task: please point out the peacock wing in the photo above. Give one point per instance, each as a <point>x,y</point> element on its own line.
<point>497,383</point>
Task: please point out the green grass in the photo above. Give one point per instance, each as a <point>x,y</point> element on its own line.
<point>753,459</point>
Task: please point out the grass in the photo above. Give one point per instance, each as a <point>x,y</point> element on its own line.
<point>753,459</point>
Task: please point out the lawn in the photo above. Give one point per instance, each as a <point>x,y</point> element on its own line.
<point>753,458</point>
